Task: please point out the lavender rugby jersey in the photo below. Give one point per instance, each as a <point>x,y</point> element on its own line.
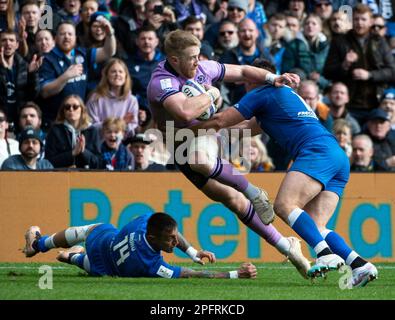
<point>165,81</point>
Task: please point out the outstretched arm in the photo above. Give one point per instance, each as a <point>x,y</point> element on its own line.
<point>246,270</point>
<point>195,255</point>
<point>246,73</point>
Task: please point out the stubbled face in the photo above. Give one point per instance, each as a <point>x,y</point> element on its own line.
<point>32,14</point>
<point>227,36</point>
<point>97,31</point>
<point>167,241</point>
<point>44,41</point>
<point>248,33</point>
<point>29,117</point>
<point>88,8</point>
<point>378,27</point>
<point>66,38</point>
<point>339,95</point>
<point>339,23</point>
<point>116,75</point>
<point>362,152</point>
<point>311,28</point>
<point>112,137</point>
<point>277,28</point>
<point>196,29</point>
<point>30,148</point>
<point>147,42</point>
<point>9,43</point>
<point>362,23</point>
<point>188,62</point>
<point>379,128</point>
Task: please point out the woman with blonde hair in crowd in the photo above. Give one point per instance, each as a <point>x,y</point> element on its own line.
<point>113,97</point>
<point>342,131</point>
<point>7,15</point>
<point>72,140</point>
<point>255,152</point>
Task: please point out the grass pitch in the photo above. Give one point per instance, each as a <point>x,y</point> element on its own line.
<point>275,282</point>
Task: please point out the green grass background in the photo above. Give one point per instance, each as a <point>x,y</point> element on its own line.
<point>275,282</point>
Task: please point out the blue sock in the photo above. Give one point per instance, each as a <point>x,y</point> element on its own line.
<point>337,244</point>
<point>77,259</point>
<point>305,227</point>
<point>41,244</point>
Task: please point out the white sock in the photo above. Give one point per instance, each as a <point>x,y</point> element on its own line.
<point>283,245</point>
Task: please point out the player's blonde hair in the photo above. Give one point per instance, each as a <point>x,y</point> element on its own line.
<point>177,41</point>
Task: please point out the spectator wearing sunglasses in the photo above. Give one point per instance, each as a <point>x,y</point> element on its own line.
<point>379,28</point>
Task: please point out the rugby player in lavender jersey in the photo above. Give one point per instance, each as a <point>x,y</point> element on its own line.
<point>214,176</point>
<point>310,191</point>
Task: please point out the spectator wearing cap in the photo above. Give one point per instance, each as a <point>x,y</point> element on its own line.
<point>65,69</point>
<point>338,99</point>
<point>236,11</point>
<point>30,145</point>
<point>362,155</point>
<point>8,146</point>
<point>387,103</point>
<point>378,128</point>
<point>115,155</point>
<point>244,54</point>
<point>324,9</point>
<point>140,146</point>
<point>89,7</point>
<point>363,61</point>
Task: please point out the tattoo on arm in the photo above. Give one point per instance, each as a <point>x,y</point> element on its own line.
<point>189,273</point>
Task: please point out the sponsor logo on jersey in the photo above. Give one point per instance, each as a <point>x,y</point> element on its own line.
<point>307,114</point>
<point>164,272</point>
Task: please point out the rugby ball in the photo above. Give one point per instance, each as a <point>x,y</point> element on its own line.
<point>192,89</point>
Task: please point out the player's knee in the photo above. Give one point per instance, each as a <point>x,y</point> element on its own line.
<point>281,208</point>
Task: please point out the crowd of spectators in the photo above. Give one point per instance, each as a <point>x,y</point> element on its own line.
<point>74,73</point>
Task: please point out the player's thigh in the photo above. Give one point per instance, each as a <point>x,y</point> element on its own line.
<point>229,196</point>
<point>322,207</point>
<point>296,190</point>
<point>203,153</point>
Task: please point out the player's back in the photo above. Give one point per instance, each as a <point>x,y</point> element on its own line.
<point>284,115</point>
<point>132,255</point>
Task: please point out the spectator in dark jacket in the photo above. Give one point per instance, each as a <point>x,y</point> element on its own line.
<point>18,80</point>
<point>73,141</point>
<point>378,128</point>
<point>362,155</point>
<point>362,61</point>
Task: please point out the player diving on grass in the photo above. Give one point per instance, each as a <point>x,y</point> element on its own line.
<point>133,251</point>
<point>215,177</point>
<point>310,191</point>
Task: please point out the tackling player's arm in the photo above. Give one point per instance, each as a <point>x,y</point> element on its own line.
<point>194,254</point>
<point>246,270</point>
<point>185,108</point>
<point>235,73</point>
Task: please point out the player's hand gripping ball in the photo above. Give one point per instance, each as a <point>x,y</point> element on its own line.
<point>192,89</point>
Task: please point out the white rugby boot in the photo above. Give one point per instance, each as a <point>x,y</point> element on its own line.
<point>263,207</point>
<point>324,264</point>
<point>32,234</point>
<point>297,258</point>
<point>362,275</point>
